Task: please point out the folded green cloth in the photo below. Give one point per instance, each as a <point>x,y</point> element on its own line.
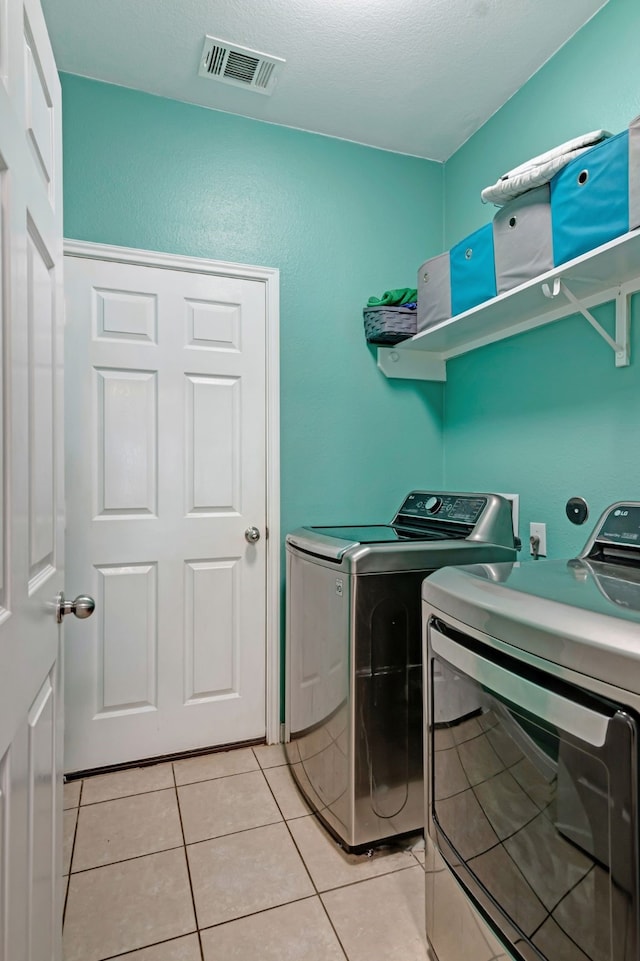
<point>394,298</point>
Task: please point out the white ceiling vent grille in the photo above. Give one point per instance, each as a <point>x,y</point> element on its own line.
<point>239,66</point>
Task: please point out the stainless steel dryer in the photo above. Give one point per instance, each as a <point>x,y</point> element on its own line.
<point>354,674</point>
<point>532,691</point>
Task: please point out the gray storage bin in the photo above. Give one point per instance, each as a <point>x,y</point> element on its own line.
<point>522,238</point>
<point>634,173</point>
<point>434,292</point>
<point>386,326</point>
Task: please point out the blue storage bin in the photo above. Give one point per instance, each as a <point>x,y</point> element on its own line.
<point>473,273</point>
<point>634,173</point>
<point>590,199</point>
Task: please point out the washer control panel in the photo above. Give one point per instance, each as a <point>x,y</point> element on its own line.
<point>453,508</point>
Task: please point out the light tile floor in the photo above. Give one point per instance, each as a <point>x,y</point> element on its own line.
<point>217,857</point>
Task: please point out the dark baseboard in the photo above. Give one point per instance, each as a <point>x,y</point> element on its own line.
<point>148,761</point>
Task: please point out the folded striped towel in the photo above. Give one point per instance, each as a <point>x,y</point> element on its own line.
<point>539,170</point>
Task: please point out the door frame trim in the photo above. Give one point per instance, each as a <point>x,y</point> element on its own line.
<point>270,277</point>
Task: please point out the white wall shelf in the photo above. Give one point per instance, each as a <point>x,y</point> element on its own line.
<point>609,273</point>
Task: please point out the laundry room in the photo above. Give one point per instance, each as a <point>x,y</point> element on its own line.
<point>193,448</point>
<point>545,414</point>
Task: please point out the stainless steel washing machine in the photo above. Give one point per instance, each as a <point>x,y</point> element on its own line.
<point>354,675</point>
<point>532,693</point>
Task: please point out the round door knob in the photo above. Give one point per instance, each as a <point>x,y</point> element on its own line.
<point>83,606</point>
<point>252,534</point>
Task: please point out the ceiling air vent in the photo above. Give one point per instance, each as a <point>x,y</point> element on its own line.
<point>229,63</point>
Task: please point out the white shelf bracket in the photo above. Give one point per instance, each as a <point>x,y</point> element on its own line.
<point>623,328</point>
<point>620,345</point>
<point>411,364</point>
<point>551,292</point>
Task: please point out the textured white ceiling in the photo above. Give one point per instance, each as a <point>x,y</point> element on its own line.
<point>414,76</point>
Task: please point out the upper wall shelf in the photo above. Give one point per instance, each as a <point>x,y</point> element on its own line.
<point>609,273</point>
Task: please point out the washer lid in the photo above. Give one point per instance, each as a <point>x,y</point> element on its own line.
<point>428,526</point>
<point>338,543</point>
<point>385,534</point>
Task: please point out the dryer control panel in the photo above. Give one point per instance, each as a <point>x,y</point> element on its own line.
<point>616,537</point>
<point>619,525</point>
<point>622,525</point>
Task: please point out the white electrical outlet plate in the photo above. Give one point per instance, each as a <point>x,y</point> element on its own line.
<point>539,530</point>
<point>515,509</point>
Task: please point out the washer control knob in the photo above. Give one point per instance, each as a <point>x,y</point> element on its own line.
<point>433,505</point>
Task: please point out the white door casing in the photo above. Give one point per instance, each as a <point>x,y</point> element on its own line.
<point>172,428</point>
<point>31,488</point>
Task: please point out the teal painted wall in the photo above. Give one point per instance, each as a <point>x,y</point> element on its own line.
<point>546,414</point>
<point>339,220</point>
<point>593,82</point>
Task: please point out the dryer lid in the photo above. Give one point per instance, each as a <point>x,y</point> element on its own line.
<point>579,614</point>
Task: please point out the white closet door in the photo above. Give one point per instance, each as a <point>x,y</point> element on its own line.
<point>166,425</point>
<point>31,487</point>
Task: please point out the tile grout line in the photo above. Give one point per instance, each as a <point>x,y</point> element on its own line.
<point>252,914</point>
<point>333,927</point>
<point>352,884</point>
<point>219,777</point>
<point>173,787</point>
<point>122,797</point>
<point>316,892</point>
<point>128,952</point>
<point>282,819</point>
<point>417,859</point>
<point>374,877</point>
<point>313,884</point>
<point>186,857</point>
<point>311,814</point>
<point>157,760</point>
<point>136,857</point>
<point>185,844</point>
<point>280,744</point>
<point>156,790</point>
<point>73,848</point>
<point>228,834</point>
<point>258,827</point>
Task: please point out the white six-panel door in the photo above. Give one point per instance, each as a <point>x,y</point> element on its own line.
<point>166,458</point>
<point>31,487</point>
